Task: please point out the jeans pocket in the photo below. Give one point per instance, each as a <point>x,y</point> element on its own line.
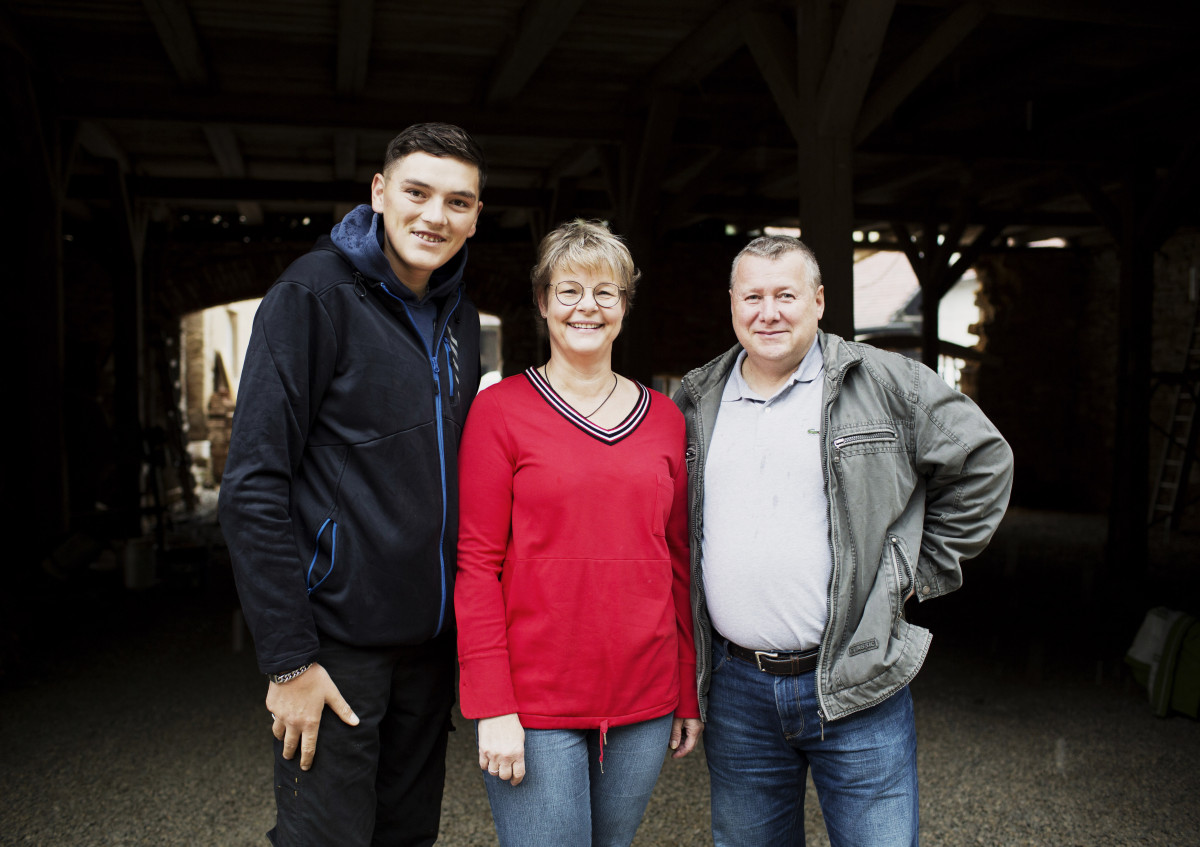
<point>720,656</point>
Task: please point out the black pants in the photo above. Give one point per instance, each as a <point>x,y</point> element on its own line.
<point>378,783</point>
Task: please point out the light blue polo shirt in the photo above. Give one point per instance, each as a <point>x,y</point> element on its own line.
<point>765,541</point>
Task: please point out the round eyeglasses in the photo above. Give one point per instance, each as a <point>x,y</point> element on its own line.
<point>606,294</point>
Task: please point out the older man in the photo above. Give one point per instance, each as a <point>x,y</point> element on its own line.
<point>830,482</point>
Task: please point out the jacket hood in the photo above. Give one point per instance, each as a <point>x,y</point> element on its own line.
<point>360,239</point>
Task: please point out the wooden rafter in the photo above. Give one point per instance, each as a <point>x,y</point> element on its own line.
<point>706,47</point>
<point>920,63</point>
<point>542,24</point>
<point>228,153</point>
<point>855,52</point>
<point>774,52</point>
<point>355,19</point>
<point>173,22</point>
<point>345,155</point>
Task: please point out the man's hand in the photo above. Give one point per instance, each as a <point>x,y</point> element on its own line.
<point>685,732</point>
<point>502,747</point>
<point>296,706</point>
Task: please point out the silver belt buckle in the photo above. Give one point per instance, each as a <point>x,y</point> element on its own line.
<point>758,657</point>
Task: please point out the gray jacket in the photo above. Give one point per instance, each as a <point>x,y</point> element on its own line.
<point>917,478</point>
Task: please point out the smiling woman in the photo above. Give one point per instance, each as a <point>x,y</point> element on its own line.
<point>576,695</point>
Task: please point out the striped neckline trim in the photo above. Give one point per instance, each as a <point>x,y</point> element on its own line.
<point>608,436</point>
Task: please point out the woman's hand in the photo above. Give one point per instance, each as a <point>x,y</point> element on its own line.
<point>502,747</point>
<point>685,732</point>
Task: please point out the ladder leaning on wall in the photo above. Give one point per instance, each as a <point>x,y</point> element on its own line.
<point>1168,498</point>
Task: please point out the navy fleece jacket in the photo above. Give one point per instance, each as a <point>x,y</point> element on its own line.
<point>339,497</point>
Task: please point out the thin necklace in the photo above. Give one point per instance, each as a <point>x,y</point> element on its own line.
<point>546,373</point>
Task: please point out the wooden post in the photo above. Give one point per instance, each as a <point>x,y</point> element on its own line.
<point>128,237</point>
<point>1127,530</point>
<point>35,475</point>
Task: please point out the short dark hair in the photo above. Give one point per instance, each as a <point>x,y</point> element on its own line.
<point>437,139</point>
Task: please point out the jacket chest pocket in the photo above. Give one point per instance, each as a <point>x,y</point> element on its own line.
<point>869,438</point>
<point>873,468</point>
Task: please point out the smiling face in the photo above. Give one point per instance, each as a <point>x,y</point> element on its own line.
<point>429,206</point>
<point>586,329</point>
<point>775,312</point>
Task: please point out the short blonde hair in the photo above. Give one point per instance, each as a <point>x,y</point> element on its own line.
<point>584,246</point>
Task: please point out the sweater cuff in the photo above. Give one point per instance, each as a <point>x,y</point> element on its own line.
<point>485,687</point>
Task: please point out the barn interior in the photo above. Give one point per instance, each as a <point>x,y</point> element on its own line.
<point>165,156</point>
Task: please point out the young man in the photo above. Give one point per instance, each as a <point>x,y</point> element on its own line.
<point>829,483</point>
<point>339,499</point>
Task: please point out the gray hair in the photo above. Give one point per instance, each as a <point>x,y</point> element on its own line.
<point>775,247</point>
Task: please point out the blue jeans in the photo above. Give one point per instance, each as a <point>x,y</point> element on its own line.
<point>566,801</point>
<point>762,737</point>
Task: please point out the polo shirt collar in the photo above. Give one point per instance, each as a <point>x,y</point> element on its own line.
<point>810,367</point>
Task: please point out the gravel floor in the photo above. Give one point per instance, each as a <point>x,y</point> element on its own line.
<point>144,726</point>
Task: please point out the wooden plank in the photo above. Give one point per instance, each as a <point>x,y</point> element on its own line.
<point>1098,201</point>
<point>228,154</point>
<point>225,150</point>
<point>355,19</point>
<point>970,254</point>
<point>1118,13</point>
<point>542,24</point>
<point>345,155</point>
<point>917,67</point>
<point>1176,192</point>
<point>774,51</point>
<point>855,52</point>
<point>699,54</point>
<point>173,22</point>
<point>652,157</point>
<point>905,239</point>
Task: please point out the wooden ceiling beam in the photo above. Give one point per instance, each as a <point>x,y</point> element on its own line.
<point>81,103</point>
<point>642,203</point>
<point>856,48</point>
<point>99,142</point>
<point>228,154</point>
<point>1115,13</point>
<point>773,47</point>
<point>173,22</point>
<point>701,52</point>
<point>355,19</point>
<point>345,155</point>
<point>225,150</point>
<point>182,191</point>
<point>542,24</point>
<point>917,67</point>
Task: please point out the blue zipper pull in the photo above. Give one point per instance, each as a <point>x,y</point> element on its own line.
<point>450,368</point>
<point>436,372</point>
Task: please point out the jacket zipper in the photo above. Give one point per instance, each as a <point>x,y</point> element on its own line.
<point>697,583</point>
<point>844,441</point>
<point>902,567</point>
<point>833,547</point>
<point>431,352</point>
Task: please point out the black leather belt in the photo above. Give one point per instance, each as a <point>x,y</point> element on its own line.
<point>775,661</point>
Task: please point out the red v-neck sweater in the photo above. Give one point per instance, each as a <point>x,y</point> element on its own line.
<point>572,594</point>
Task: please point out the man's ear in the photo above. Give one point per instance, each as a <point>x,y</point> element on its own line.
<point>378,184</point>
